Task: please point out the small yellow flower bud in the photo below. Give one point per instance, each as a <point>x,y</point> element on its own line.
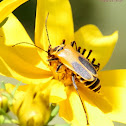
<point>3,101</point>
<point>32,108</point>
<point>36,116</point>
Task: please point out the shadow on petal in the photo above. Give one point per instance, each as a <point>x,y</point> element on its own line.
<point>96,99</point>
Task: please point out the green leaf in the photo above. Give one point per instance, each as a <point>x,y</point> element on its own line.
<point>3,22</point>
<point>2,85</point>
<point>14,90</point>
<point>6,94</point>
<point>54,111</point>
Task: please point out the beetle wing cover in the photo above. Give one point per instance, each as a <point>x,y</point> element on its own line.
<point>81,71</point>
<point>87,64</point>
<point>77,63</point>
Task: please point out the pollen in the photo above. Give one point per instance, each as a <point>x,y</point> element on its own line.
<point>63,74</point>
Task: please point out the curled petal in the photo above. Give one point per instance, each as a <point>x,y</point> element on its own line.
<point>59,23</point>
<point>7,6</point>
<point>89,37</point>
<point>22,61</point>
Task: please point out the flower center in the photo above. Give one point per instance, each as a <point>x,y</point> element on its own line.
<point>61,72</point>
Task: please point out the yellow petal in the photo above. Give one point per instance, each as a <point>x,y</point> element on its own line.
<point>21,62</point>
<point>114,88</point>
<point>116,78</point>
<point>7,6</point>
<point>54,89</point>
<point>89,37</point>
<point>57,93</point>
<point>97,117</point>
<point>72,111</point>
<point>95,99</point>
<point>59,23</point>
<point>117,96</point>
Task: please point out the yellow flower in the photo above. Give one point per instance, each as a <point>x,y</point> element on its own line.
<point>29,64</point>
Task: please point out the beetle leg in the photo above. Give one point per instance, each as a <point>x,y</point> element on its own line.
<point>83,51</point>
<point>79,49</point>
<point>63,42</point>
<point>72,44</point>
<point>93,60</point>
<point>89,54</point>
<point>58,67</point>
<point>75,86</point>
<point>97,66</point>
<point>53,59</point>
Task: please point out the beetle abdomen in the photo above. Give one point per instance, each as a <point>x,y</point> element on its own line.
<point>92,85</point>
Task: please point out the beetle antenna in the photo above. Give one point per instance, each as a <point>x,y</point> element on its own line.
<point>46,29</point>
<point>29,44</point>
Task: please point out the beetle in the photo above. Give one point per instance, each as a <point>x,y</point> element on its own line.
<point>73,61</point>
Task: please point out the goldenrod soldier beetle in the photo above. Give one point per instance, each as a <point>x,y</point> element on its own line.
<point>69,66</point>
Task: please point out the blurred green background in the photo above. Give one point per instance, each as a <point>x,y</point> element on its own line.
<point>108,16</point>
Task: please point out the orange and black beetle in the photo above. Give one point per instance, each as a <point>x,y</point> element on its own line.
<point>75,64</point>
